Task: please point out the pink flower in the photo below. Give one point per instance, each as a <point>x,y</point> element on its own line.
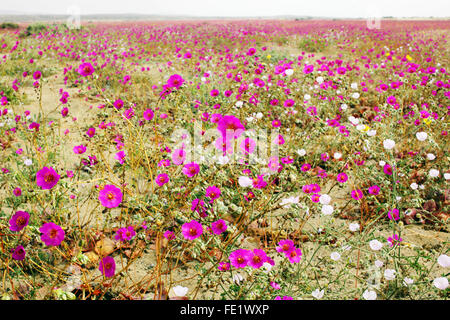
<point>162,179</point>
<point>47,178</point>
<point>169,235</point>
<point>175,81</point>
<point>219,226</point>
<point>230,127</point>
<point>19,221</point>
<point>125,234</point>
<point>257,257</point>
<point>285,246</point>
<point>394,214</point>
<point>294,256</point>
<point>387,169</point>
<point>248,145</point>
<point>120,156</point>
<point>342,177</point>
<point>52,234</point>
<point>239,258</point>
<point>17,192</point>
<point>224,266</point>
<point>192,230</point>
<point>18,253</point>
<point>357,194</point>
<point>394,240</point>
<point>110,196</point>
<point>107,267</point>
<point>86,69</point>
<point>79,149</point>
<point>149,114</point>
<point>213,193</point>
<point>191,169</point>
<point>374,190</point>
<point>90,132</point>
<point>178,156</point>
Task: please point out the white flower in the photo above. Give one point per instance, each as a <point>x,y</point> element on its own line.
<point>335,256</point>
<point>444,261</point>
<point>370,295</point>
<point>237,278</point>
<point>434,173</point>
<point>389,274</point>
<point>354,85</point>
<point>375,245</point>
<point>378,263</point>
<point>301,152</point>
<point>353,120</point>
<point>344,106</point>
<point>371,133</point>
<point>239,104</point>
<point>286,203</point>
<point>245,181</point>
<point>354,226</point>
<point>447,176</point>
<point>307,97</point>
<point>327,209</point>
<point>222,160</point>
<point>421,136</point>
<point>319,79</point>
<point>407,281</point>
<point>355,95</point>
<point>388,144</point>
<point>267,267</point>
<point>259,115</point>
<point>360,127</point>
<point>289,72</point>
<point>441,283</point>
<point>324,199</point>
<point>382,163</point>
<point>414,186</point>
<point>318,294</point>
<point>180,291</point>
<point>28,162</point>
<point>431,156</point>
<point>337,155</point>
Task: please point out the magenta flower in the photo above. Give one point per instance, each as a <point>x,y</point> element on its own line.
<point>294,256</point>
<point>90,132</point>
<point>257,257</point>
<point>342,177</point>
<point>86,69</point>
<point>162,179</point>
<point>213,193</point>
<point>192,230</point>
<point>357,194</point>
<point>149,114</point>
<point>18,253</point>
<point>79,149</point>
<point>285,246</point>
<point>394,240</point>
<point>17,192</point>
<point>248,145</point>
<point>178,156</point>
<point>120,156</point>
<point>394,214</point>
<point>374,190</point>
<point>110,196</point>
<point>169,235</point>
<point>175,81</point>
<point>52,234</point>
<point>239,258</point>
<point>191,169</point>
<point>230,127</point>
<point>387,169</point>
<point>125,234</point>
<point>219,226</point>
<point>47,178</point>
<point>107,267</point>
<point>224,266</point>
<point>19,221</point>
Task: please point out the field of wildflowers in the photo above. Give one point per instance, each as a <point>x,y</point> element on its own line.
<point>225,160</point>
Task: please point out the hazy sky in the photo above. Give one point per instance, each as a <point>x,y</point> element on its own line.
<point>230,8</point>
